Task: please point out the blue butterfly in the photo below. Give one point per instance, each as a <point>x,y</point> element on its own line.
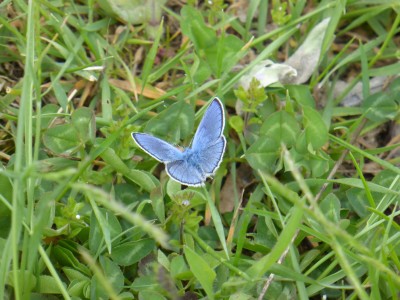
<point>193,165</point>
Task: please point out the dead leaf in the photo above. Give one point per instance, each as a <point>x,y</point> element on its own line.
<point>243,179</point>
<point>148,91</point>
<point>305,59</point>
<point>267,72</point>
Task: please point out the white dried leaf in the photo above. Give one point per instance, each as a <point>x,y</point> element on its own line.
<point>306,58</point>
<point>268,72</point>
<point>136,11</point>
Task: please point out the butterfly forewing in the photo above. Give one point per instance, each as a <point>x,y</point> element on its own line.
<point>211,126</point>
<point>157,148</point>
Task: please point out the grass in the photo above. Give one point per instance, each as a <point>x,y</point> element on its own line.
<point>304,204</point>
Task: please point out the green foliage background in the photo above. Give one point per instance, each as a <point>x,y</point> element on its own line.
<point>313,202</point>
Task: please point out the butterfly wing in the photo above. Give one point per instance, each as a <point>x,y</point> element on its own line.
<point>185,173</point>
<point>194,165</point>
<point>157,148</point>
<point>211,157</point>
<point>211,126</point>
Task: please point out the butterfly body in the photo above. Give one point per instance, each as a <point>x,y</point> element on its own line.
<point>194,164</point>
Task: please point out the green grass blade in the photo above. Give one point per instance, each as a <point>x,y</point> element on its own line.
<point>217,221</point>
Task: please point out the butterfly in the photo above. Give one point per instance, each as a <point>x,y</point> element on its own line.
<point>194,164</point>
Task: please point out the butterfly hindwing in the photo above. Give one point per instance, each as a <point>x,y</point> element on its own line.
<point>211,126</point>
<point>157,148</point>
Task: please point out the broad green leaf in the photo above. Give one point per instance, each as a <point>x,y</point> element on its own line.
<point>77,287</point>
<point>73,274</point>
<point>381,107</point>
<point>384,178</point>
<point>145,283</point>
<point>84,123</point>
<point>163,260</point>
<point>67,138</point>
<point>220,55</point>
<point>282,127</point>
<point>263,154</point>
<point>47,285</point>
<point>66,257</point>
<point>179,268</point>
<point>141,178</point>
<point>358,201</point>
<point>127,254</point>
<point>302,95</point>
<point>237,123</point>
<point>330,206</point>
<point>124,193</point>
<point>25,276</point>
<point>49,112</point>
<point>96,239</point>
<point>301,143</point>
<point>201,270</point>
<point>395,88</point>
<point>153,295</point>
<point>314,164</point>
<point>113,273</point>
<point>172,188</point>
<point>55,164</point>
<point>174,123</point>
<point>315,128</point>
<point>193,26</point>
<point>98,290</point>
<point>319,165</point>
<point>101,215</point>
<point>202,72</point>
<point>61,139</point>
